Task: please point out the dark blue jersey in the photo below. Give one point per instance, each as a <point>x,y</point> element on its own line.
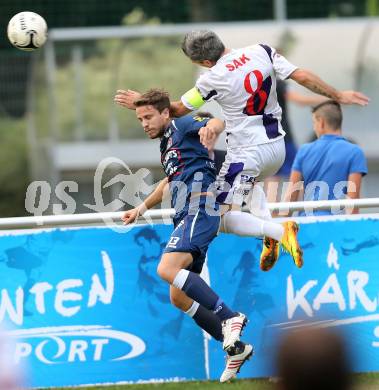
<point>186,161</point>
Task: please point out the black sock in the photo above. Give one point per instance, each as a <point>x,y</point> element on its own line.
<point>208,321</point>
<point>197,289</point>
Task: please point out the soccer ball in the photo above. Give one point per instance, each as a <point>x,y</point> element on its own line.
<point>27,31</point>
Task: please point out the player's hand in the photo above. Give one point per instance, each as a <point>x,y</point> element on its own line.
<point>130,216</point>
<point>208,136</point>
<point>353,97</point>
<point>126,98</point>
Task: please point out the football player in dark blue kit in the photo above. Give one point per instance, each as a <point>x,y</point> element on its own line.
<point>190,180</point>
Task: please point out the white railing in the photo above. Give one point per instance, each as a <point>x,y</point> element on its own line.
<point>159,215</point>
<point>108,32</point>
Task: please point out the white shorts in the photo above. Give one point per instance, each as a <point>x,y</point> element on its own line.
<point>243,166</point>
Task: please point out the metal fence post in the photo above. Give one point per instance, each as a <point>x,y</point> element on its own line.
<point>280,10</point>
<point>77,62</point>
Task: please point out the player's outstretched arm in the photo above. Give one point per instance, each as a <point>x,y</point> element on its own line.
<point>152,200</point>
<point>126,98</point>
<point>312,82</point>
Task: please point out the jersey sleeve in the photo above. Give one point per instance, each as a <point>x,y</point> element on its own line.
<point>204,91</point>
<point>196,124</point>
<point>189,126</point>
<point>283,68</point>
<point>192,99</point>
<point>358,162</point>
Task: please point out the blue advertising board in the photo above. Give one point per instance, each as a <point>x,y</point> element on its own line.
<point>86,306</point>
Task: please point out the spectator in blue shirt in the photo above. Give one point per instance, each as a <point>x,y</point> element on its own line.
<point>330,167</point>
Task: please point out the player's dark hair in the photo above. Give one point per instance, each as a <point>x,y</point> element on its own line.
<point>202,45</point>
<point>331,111</point>
<point>158,98</point>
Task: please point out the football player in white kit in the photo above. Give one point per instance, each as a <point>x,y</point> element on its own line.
<point>243,82</point>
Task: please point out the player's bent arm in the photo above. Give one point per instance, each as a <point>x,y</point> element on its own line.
<point>354,188</point>
<point>178,109</point>
<point>217,125</point>
<point>210,132</point>
<point>152,200</point>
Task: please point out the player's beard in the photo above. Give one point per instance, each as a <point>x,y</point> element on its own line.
<point>158,134</point>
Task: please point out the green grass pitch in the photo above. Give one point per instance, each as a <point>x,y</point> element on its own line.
<point>368,381</point>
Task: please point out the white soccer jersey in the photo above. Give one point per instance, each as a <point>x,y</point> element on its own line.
<point>243,82</point>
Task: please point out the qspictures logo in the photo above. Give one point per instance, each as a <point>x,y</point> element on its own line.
<point>134,187</point>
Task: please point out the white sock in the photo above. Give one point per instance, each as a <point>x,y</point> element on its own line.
<point>245,224</point>
<point>180,279</point>
<point>193,309</point>
<point>257,203</point>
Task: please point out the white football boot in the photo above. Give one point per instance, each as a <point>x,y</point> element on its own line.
<point>232,329</point>
<point>234,362</point>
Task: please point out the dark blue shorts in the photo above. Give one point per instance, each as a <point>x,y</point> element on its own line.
<point>193,234</point>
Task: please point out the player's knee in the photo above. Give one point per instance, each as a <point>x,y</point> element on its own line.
<point>161,270</point>
<point>170,265</point>
<point>165,271</point>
